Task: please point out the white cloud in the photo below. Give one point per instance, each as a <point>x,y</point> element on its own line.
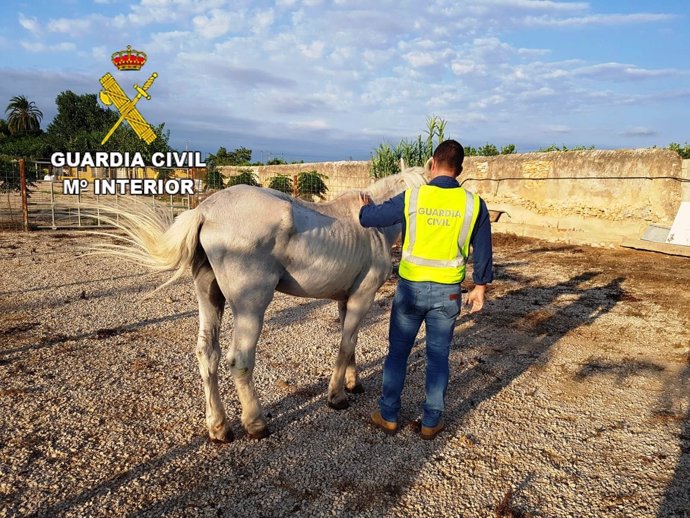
<point>42,47</point>
<point>30,24</point>
<point>169,42</point>
<point>623,72</point>
<point>557,128</point>
<point>639,131</point>
<point>215,25</point>
<point>466,67</point>
<point>100,53</point>
<point>74,26</point>
<point>597,19</point>
<point>262,20</point>
<point>314,124</point>
<point>312,50</point>
<point>420,59</point>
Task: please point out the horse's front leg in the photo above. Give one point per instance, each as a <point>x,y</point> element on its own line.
<point>211,306</point>
<point>356,307</point>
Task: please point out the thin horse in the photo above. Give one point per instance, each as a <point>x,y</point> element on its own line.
<point>242,244</point>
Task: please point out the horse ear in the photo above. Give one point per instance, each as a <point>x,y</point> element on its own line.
<point>402,164</point>
<point>427,166</point>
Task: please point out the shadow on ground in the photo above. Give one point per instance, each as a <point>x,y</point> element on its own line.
<point>281,472</point>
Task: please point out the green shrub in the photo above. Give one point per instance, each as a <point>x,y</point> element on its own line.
<point>245,177</point>
<point>282,183</point>
<point>311,184</point>
<point>683,151</point>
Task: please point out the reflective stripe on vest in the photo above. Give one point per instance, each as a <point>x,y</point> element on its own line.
<point>451,268</point>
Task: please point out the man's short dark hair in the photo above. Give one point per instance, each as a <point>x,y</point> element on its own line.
<point>449,154</point>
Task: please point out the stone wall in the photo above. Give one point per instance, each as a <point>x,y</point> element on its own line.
<point>340,176</point>
<point>599,197</point>
<point>595,197</point>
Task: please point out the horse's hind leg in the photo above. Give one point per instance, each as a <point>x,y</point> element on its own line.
<point>352,383</point>
<point>357,306</point>
<point>248,314</point>
<point>211,306</point>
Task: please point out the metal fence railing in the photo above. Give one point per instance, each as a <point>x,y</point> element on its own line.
<point>33,194</point>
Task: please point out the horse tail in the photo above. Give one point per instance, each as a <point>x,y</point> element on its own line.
<point>152,238</point>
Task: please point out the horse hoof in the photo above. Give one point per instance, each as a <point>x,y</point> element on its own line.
<point>227,437</point>
<point>339,405</point>
<point>261,434</point>
<point>357,389</point>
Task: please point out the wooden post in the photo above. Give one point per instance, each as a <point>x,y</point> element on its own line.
<point>294,185</point>
<point>192,203</point>
<point>24,195</point>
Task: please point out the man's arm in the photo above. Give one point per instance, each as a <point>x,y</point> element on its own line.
<point>482,253</point>
<point>388,213</point>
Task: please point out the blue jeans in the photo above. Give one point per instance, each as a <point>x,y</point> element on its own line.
<point>438,305</point>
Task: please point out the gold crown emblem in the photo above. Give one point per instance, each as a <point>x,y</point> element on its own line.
<point>129,59</point>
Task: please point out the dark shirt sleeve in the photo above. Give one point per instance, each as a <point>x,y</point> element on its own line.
<point>481,247</point>
<point>386,214</point>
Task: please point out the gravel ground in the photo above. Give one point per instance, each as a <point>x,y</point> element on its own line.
<point>570,396</point>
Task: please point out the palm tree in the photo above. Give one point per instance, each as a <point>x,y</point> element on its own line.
<point>24,116</point>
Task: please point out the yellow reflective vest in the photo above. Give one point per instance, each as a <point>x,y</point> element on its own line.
<point>438,228</point>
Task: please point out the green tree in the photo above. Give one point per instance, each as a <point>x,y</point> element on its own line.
<point>508,149</point>
<point>81,123</point>
<point>4,130</point>
<point>214,178</point>
<point>9,176</point>
<point>276,161</point>
<point>23,116</point>
<point>241,156</point>
<point>487,150</point>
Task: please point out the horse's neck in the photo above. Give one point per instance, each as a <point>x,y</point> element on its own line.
<point>386,188</point>
<point>345,206</point>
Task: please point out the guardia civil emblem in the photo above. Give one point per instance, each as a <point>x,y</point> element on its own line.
<point>112,93</point>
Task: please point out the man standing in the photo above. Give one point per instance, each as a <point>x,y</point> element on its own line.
<point>440,221</point>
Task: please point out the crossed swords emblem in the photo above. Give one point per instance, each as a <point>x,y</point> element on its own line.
<point>113,94</point>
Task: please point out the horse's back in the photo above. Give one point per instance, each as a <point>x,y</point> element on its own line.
<point>245,220</point>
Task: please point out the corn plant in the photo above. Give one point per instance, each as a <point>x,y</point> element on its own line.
<point>384,162</point>
<point>414,153</point>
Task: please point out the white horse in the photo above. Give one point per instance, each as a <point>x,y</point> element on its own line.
<point>242,244</point>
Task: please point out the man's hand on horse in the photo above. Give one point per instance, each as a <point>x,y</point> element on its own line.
<point>365,199</point>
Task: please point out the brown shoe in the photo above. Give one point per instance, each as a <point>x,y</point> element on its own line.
<point>387,426</point>
<point>427,433</point>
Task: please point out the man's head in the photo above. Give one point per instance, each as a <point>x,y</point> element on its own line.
<point>447,159</point>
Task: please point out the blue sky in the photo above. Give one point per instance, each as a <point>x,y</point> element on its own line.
<point>330,80</point>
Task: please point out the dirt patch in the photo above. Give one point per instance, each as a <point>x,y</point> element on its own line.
<point>569,395</point>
